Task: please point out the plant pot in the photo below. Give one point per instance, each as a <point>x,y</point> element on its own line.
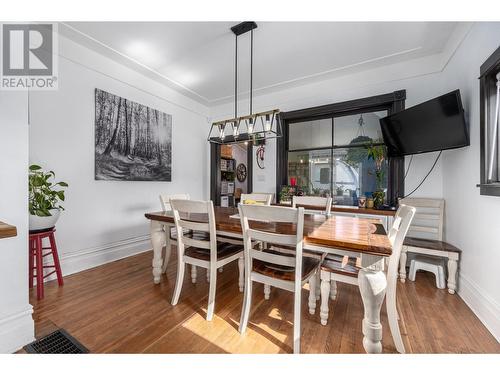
<point>378,199</point>
<point>44,222</point>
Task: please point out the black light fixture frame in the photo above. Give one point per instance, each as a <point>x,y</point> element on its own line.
<point>257,137</point>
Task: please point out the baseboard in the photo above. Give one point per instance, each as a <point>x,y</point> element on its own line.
<point>16,330</point>
<point>485,307</point>
<point>82,260</point>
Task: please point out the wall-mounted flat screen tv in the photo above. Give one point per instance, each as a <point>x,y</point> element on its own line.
<point>437,124</point>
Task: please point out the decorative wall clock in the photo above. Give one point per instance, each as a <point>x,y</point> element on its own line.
<point>241,172</point>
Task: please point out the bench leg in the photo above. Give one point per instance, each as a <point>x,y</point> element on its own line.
<point>402,265</point>
<point>452,275</point>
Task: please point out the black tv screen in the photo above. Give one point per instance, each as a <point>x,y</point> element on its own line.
<point>437,124</point>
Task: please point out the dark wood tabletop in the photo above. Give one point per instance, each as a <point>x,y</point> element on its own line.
<point>339,232</point>
<point>346,209</point>
<point>7,230</point>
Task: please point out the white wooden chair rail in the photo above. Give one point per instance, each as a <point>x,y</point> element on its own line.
<point>205,252</point>
<point>313,201</point>
<point>261,198</point>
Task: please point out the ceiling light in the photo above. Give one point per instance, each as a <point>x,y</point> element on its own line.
<point>269,125</point>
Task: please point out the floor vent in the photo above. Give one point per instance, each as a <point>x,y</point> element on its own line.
<point>58,342</point>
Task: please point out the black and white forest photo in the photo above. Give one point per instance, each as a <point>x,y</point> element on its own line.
<point>133,142</point>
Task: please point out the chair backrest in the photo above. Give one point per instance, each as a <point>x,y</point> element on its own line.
<point>197,216</point>
<point>166,198</point>
<point>313,201</point>
<point>258,198</point>
<point>293,218</point>
<point>397,234</point>
<point>428,221</point>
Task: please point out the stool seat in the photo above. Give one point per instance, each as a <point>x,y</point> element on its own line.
<point>429,264</point>
<point>36,255</point>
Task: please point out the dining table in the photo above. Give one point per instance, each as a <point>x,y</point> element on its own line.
<point>365,238</point>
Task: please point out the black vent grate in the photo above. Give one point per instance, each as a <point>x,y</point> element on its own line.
<point>58,342</point>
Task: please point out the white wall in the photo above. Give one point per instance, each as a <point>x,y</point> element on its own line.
<point>419,87</point>
<point>104,220</point>
<point>472,220</point>
<point>16,324</point>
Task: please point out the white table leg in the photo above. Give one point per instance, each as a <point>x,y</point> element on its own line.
<point>157,238</point>
<point>402,265</point>
<point>372,285</point>
<point>452,275</point>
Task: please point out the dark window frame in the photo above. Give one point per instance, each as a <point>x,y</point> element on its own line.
<point>490,67</point>
<point>392,103</point>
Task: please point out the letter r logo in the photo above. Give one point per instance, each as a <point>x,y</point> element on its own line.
<point>27,50</point>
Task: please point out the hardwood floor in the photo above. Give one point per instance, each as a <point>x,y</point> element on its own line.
<point>116,308</point>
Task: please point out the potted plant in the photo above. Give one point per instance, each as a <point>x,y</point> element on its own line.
<point>45,196</point>
<point>339,190</point>
<point>377,154</point>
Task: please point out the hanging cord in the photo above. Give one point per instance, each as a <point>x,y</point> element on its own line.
<point>236,78</point>
<point>408,169</point>
<point>251,69</point>
<point>427,175</point>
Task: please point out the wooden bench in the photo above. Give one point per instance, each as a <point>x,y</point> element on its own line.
<point>426,237</point>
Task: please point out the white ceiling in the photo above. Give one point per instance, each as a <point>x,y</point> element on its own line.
<point>197,58</point>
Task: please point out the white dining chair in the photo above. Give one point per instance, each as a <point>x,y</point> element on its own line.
<point>259,198</point>
<point>288,271</point>
<point>345,269</point>
<point>200,247</point>
<point>169,230</point>
<point>324,202</point>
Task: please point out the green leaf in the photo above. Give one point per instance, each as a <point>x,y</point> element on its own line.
<point>62,184</point>
<point>35,167</point>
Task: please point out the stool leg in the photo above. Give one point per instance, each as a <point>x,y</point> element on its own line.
<point>39,267</point>
<point>31,255</point>
<point>56,259</point>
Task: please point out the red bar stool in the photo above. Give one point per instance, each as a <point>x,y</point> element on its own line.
<point>36,255</point>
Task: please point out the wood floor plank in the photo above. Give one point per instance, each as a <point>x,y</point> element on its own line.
<point>116,308</point>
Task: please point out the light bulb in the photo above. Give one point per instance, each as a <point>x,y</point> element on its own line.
<point>236,131</point>
<point>250,126</point>
<point>221,134</point>
<point>267,125</point>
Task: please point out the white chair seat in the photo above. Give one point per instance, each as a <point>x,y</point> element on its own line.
<point>429,264</point>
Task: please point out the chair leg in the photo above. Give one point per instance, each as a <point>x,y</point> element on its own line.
<point>267,291</point>
<point>193,274</point>
<point>312,294</point>
<point>318,285</point>
<point>31,255</point>
<point>402,265</point>
<point>333,290</point>
<point>39,268</point>
<point>178,282</point>
<point>296,317</point>
<point>211,292</point>
<point>55,256</point>
<point>392,317</point>
<point>247,302</point>
<point>241,270</point>
<point>325,293</point>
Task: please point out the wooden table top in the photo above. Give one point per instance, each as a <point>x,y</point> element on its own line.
<point>339,232</point>
<point>347,209</point>
<point>7,230</point>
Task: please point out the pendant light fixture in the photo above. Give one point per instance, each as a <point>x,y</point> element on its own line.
<point>255,127</point>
